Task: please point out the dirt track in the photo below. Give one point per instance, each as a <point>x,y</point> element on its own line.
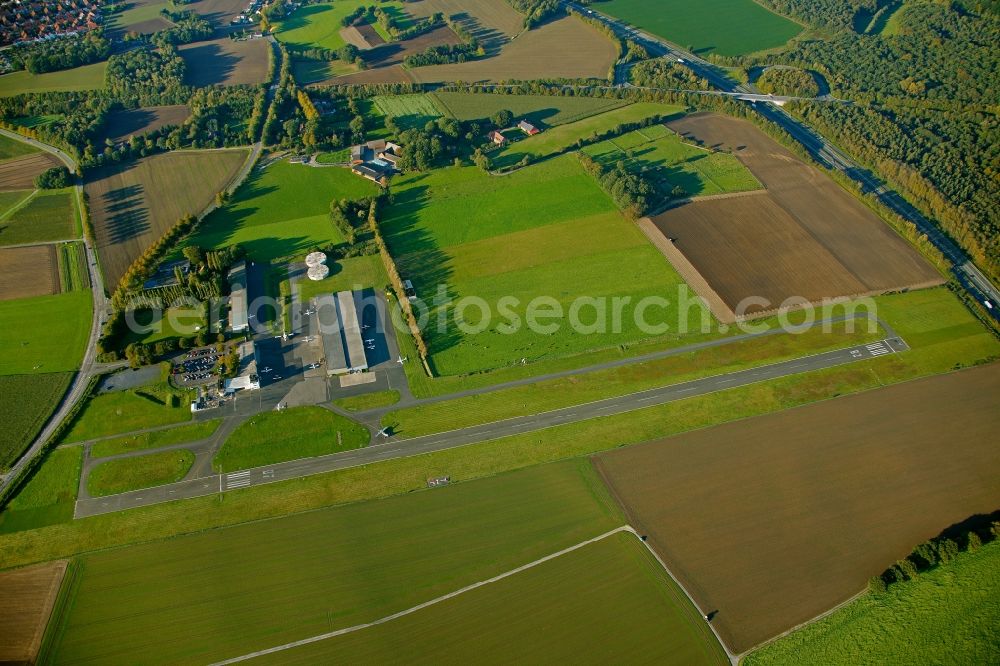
<point>773,520</point>
<point>19,173</point>
<point>26,599</point>
<point>28,271</point>
<point>807,237</point>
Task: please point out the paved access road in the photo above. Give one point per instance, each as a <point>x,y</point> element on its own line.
<point>972,279</point>
<point>398,448</point>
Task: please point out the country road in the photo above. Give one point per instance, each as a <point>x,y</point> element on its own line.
<point>398,448</point>
<point>99,303</point>
<point>969,275</point>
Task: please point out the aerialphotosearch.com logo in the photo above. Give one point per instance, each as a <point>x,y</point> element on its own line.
<point>545,315</point>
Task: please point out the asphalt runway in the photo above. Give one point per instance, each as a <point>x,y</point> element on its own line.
<point>387,449</point>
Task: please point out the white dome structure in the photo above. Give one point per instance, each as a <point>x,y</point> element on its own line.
<point>315,259</point>
<point>318,272</point>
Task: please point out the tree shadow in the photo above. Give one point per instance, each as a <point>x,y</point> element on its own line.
<point>208,65</point>
<point>127,214</point>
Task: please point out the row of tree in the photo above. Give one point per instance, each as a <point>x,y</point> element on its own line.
<point>632,193</point>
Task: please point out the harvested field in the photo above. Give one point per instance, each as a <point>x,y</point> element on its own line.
<point>219,12</point>
<point>27,597</point>
<point>132,204</point>
<point>564,48</point>
<point>28,271</point>
<point>19,173</point>
<point>392,74</point>
<point>123,124</point>
<point>352,35</point>
<point>224,62</point>
<point>805,238</point>
<point>394,53</point>
<point>368,35</point>
<point>492,23</point>
<point>773,520</point>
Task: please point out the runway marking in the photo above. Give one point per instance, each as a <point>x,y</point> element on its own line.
<point>877,349</point>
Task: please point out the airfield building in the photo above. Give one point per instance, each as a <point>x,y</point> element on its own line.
<point>340,328</point>
<point>239,319</point>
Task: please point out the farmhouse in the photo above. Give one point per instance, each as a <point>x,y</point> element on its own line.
<point>528,128</point>
<point>375,160</point>
<point>340,328</point>
<point>498,138</point>
<point>238,316</point>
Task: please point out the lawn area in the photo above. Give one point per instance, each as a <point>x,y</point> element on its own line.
<point>10,199</point>
<point>127,411</point>
<point>610,600</point>
<point>135,473</point>
<point>44,334</point>
<point>726,27</point>
<point>346,275</point>
<point>546,232</point>
<point>301,432</point>
<point>668,161</point>
<point>564,137</point>
<point>28,401</point>
<point>552,394</point>
<point>10,148</point>
<point>948,615</point>
<point>49,496</point>
<point>320,24</point>
<point>408,110</point>
<point>314,71</point>
<point>541,110</point>
<point>267,583</point>
<point>360,403</point>
<point>335,157</point>
<point>177,322</point>
<point>49,216</point>
<point>87,77</point>
<point>282,210</point>
<point>155,439</point>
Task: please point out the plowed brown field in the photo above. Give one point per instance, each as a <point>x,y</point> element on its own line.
<point>26,599</point>
<point>123,124</point>
<point>773,520</point>
<point>28,271</point>
<point>225,62</point>
<point>19,173</point>
<point>805,238</point>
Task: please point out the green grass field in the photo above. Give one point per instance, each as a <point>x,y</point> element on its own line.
<point>306,72</point>
<point>270,582</point>
<point>49,216</point>
<point>37,121</point>
<point>610,600</point>
<point>155,439</point>
<point>128,411</point>
<point>943,334</point>
<point>48,497</point>
<point>88,77</point>
<point>11,148</point>
<point>347,274</point>
<point>946,616</point>
<point>548,232</point>
<point>408,110</point>
<point>301,432</point>
<point>319,25</point>
<point>9,200</point>
<point>669,162</point>
<point>541,110</point>
<point>28,401</point>
<point>726,27</point>
<point>282,210</point>
<point>135,473</point>
<point>360,403</point>
<point>179,322</point>
<point>44,334</point>
<point>564,137</point>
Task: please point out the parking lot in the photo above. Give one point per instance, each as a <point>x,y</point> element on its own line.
<point>197,367</point>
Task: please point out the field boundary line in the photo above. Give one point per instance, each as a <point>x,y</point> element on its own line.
<point>432,602</point>
<point>18,206</point>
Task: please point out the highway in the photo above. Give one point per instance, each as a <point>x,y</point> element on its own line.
<point>822,150</point>
<point>386,449</point>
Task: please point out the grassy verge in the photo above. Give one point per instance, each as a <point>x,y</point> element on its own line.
<point>48,498</point>
<point>360,403</point>
<point>577,389</point>
<point>943,334</point>
<point>948,615</point>
<point>155,439</point>
<point>125,474</point>
<point>128,411</point>
<point>301,432</point>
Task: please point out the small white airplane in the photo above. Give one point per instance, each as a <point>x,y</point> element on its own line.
<point>370,341</point>
<point>266,370</point>
<point>275,378</point>
<point>309,312</point>
<point>313,366</point>
<point>402,359</point>
<point>384,432</point>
